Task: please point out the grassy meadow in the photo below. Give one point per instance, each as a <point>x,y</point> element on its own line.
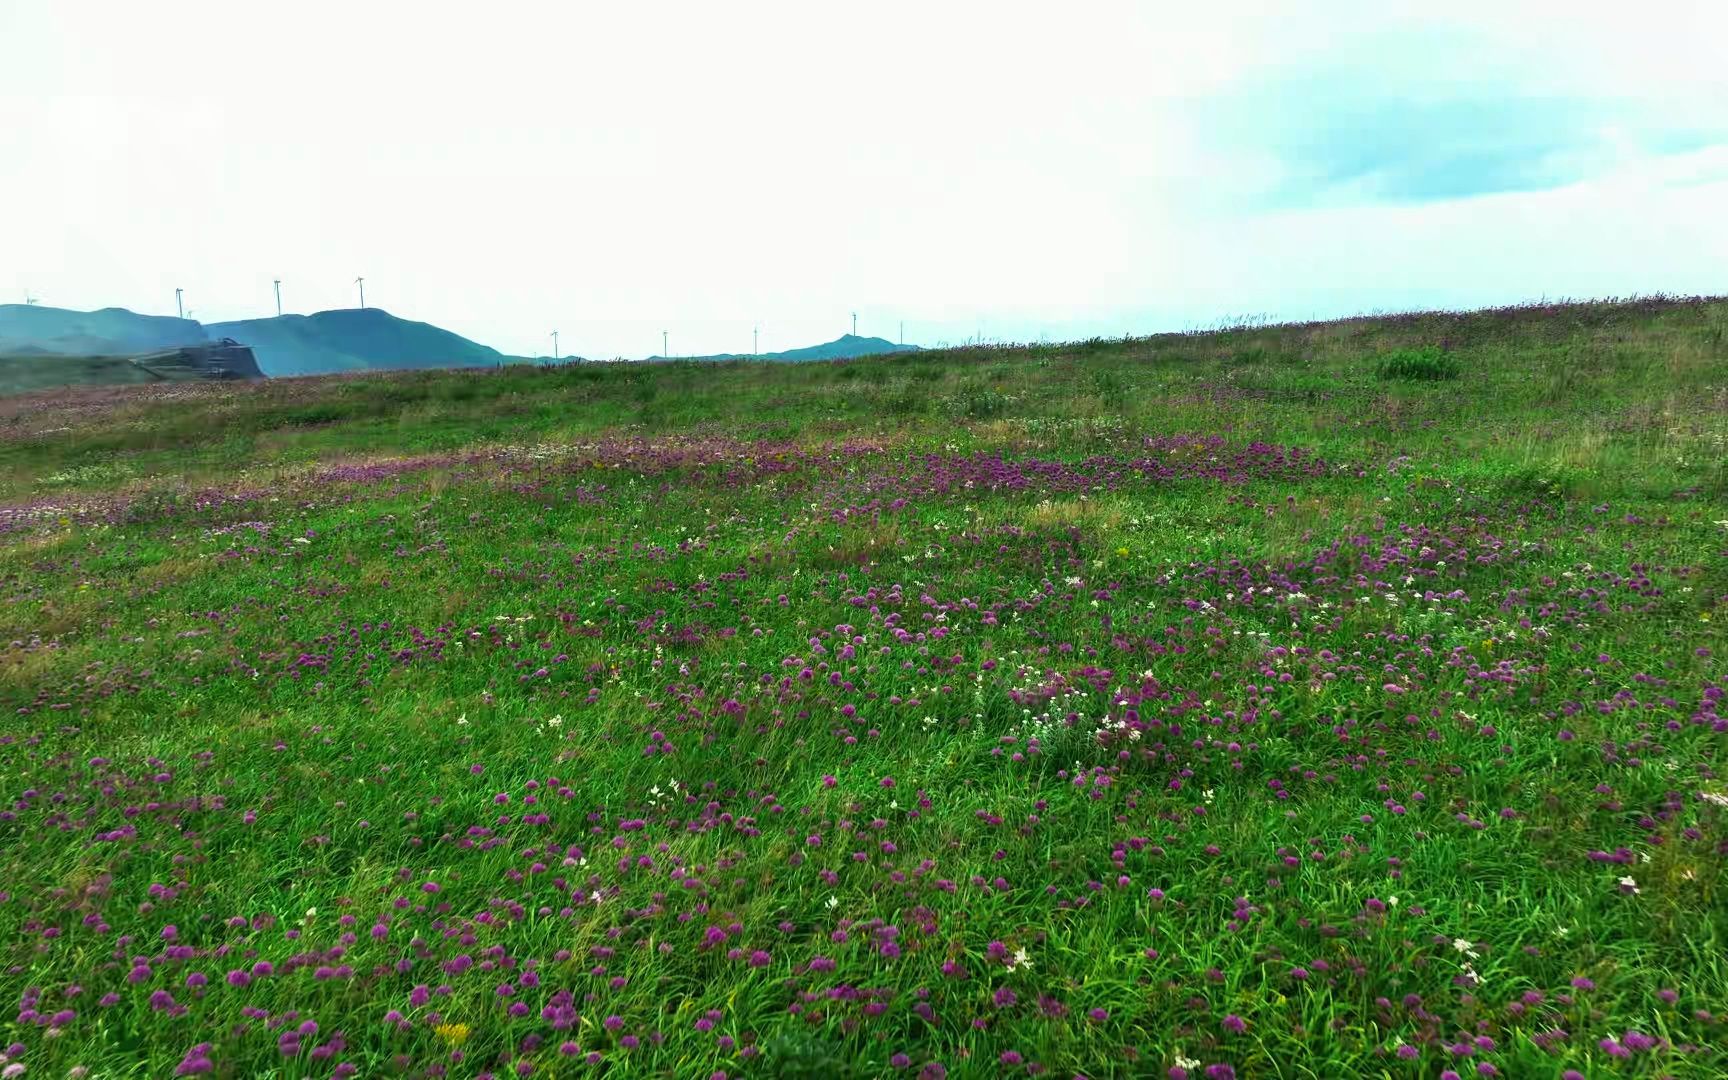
<point>1310,701</point>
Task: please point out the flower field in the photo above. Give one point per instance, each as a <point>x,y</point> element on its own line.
<point>1199,706</point>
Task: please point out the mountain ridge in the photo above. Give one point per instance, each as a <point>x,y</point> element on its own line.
<point>38,330</point>
<point>322,343</point>
<point>353,339</point>
<point>843,347</point>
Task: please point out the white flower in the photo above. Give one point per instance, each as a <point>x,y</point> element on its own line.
<point>832,903</point>
<point>1019,960</point>
<point>463,719</point>
<point>1629,883</point>
<point>1463,946</point>
<point>594,897</point>
<point>1185,1062</point>
<point>1392,900</point>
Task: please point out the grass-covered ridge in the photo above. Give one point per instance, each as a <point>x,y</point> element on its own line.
<point>1201,705</point>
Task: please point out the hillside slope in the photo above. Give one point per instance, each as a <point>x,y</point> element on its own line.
<point>35,330</point>
<point>353,339</point>
<point>841,348</point>
<point>1220,645</point>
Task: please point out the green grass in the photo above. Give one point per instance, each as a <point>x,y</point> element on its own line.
<point>1417,365</point>
<point>1221,676</point>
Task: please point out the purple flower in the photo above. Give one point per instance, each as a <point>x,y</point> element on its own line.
<point>1234,1024</point>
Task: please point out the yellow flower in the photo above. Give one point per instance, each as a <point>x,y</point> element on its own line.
<point>1487,643</point>
<point>1122,551</point>
<point>452,1034</point>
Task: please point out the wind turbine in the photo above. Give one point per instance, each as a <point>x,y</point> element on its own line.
<point>756,340</point>
<point>665,354</point>
<point>28,299</point>
<point>360,281</point>
<point>554,345</point>
<point>278,298</point>
<point>179,307</point>
<point>854,324</point>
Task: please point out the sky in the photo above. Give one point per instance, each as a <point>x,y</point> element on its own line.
<point>1005,171</point>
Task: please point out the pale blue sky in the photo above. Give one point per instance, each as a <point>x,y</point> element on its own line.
<point>611,170</point>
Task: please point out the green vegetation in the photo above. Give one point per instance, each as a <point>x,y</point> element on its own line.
<point>1423,365</point>
<point>1215,703</point>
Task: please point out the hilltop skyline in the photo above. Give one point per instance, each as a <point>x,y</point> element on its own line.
<point>1124,169</point>
<point>323,342</point>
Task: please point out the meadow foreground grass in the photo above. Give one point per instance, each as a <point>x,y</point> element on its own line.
<point>1323,701</point>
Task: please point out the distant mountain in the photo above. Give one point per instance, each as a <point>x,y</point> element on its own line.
<point>847,345</point>
<point>34,330</point>
<point>347,339</point>
<point>353,339</point>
